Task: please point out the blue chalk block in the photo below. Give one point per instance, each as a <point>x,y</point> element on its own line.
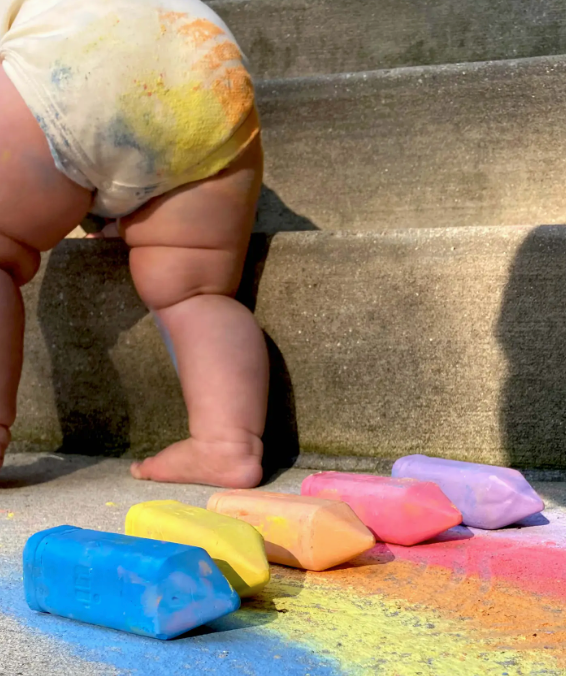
<point>146,587</point>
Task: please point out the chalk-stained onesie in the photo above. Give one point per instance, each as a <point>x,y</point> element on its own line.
<point>135,97</point>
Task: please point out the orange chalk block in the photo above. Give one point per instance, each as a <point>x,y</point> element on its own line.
<point>400,511</point>
<point>299,531</point>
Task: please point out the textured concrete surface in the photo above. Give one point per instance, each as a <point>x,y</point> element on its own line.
<point>446,342</point>
<point>440,341</point>
<point>469,603</point>
<point>41,490</point>
<point>442,146</point>
<point>306,37</point>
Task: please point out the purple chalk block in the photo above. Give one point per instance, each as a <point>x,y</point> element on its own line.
<point>488,497</point>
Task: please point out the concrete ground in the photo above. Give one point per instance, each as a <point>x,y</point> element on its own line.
<point>471,603</point>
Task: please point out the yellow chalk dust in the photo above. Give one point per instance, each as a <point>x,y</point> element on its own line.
<point>399,620</point>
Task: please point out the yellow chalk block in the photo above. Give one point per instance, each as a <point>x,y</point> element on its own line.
<point>236,547</point>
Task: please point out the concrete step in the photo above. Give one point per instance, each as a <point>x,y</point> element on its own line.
<point>442,341</point>
<point>312,37</point>
<point>440,146</point>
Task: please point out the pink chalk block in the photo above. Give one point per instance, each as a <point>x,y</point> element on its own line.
<point>488,497</point>
<point>400,511</point>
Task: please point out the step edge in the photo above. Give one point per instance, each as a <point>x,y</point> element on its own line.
<point>263,85</point>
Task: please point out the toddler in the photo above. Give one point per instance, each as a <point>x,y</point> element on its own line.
<point>141,112</point>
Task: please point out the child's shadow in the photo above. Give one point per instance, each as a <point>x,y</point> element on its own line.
<point>43,470</point>
<point>86,301</point>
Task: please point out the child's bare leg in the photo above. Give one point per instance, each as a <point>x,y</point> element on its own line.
<point>38,207</point>
<point>188,251</point>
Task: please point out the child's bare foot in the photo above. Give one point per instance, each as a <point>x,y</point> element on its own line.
<point>227,464</point>
<point>5,438</point>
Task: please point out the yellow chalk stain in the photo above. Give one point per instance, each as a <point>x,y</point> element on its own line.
<point>278,529</point>
<point>103,32</point>
<point>180,125</point>
<point>10,515</point>
<point>6,156</point>
<point>220,67</point>
<point>370,632</point>
<point>277,522</point>
<point>111,504</point>
<point>188,104</point>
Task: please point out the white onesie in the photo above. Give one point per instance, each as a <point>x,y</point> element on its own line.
<point>135,97</point>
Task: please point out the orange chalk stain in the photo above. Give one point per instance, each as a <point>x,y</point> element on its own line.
<point>200,31</point>
<point>6,155</point>
<point>197,31</point>
<point>500,613</point>
<point>231,83</point>
<point>218,56</point>
<point>204,568</point>
<point>171,18</point>
<point>402,619</point>
<point>235,93</point>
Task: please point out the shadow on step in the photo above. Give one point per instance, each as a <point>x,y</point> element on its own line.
<point>275,216</point>
<point>532,333</point>
<point>87,301</point>
<point>281,438</point>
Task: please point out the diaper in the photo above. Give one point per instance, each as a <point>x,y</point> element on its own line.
<point>135,97</point>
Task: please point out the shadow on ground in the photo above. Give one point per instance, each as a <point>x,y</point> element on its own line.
<point>43,470</point>
<point>266,606</point>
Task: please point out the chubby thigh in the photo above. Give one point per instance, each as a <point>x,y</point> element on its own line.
<point>38,204</point>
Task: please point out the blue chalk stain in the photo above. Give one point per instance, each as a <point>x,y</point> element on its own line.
<point>41,122</point>
<point>165,336</point>
<point>61,75</point>
<point>236,644</point>
<point>121,135</point>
